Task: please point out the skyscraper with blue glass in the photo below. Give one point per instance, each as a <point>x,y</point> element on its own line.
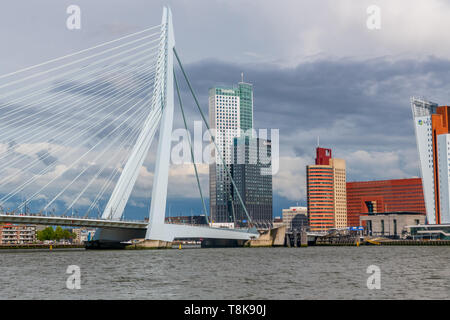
<point>230,115</point>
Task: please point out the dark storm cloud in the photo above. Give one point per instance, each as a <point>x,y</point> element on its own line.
<point>368,97</point>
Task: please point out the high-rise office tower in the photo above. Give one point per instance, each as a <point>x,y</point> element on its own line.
<point>326,192</point>
<point>431,124</point>
<point>224,118</point>
<point>251,171</point>
<point>230,112</point>
<point>339,192</point>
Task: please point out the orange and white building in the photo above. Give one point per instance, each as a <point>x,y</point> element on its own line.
<point>326,192</point>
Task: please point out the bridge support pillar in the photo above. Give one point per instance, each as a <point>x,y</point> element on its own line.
<point>105,238</point>
<point>149,244</point>
<point>222,243</point>
<point>303,239</point>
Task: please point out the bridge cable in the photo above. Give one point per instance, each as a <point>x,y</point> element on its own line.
<point>68,81</point>
<point>76,69</point>
<point>80,158</point>
<point>71,63</point>
<point>72,114</point>
<point>48,130</point>
<point>128,138</point>
<point>111,179</point>
<point>131,136</point>
<point>48,167</point>
<point>157,104</point>
<point>89,88</point>
<point>116,171</point>
<point>78,52</point>
<point>71,78</point>
<point>126,134</point>
<point>85,130</point>
<point>212,137</point>
<point>190,146</point>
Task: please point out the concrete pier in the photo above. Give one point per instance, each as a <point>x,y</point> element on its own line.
<point>303,239</point>
<point>270,238</point>
<point>148,244</point>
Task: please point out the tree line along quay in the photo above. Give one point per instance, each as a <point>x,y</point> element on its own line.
<point>55,234</point>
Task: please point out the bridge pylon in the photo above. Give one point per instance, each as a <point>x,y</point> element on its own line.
<point>162,109</point>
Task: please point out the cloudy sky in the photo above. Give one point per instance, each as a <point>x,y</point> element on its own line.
<point>316,68</point>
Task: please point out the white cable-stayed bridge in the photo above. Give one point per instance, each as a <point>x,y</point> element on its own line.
<point>76,130</point>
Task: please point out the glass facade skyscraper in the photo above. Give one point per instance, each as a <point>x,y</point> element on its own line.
<point>231,114</point>
<point>224,118</point>
<point>246,105</point>
<point>253,179</point>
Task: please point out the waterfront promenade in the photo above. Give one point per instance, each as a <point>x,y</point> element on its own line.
<point>40,246</point>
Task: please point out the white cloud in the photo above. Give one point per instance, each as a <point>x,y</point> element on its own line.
<point>282,31</point>
<point>299,29</point>
<point>183,183</point>
<point>373,165</point>
<point>290,181</point>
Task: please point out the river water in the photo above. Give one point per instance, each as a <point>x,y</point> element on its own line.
<point>229,273</point>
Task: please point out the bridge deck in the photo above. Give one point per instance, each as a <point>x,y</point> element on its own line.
<point>73,221</point>
<point>174,230</point>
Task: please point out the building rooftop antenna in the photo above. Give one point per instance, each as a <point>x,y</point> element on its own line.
<point>242,77</point>
<point>318,141</point>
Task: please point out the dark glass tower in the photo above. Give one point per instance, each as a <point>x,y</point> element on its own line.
<point>251,172</point>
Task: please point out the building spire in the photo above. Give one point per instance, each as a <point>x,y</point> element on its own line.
<point>242,77</point>
<point>318,141</point>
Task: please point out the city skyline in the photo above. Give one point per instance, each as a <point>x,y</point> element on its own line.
<point>239,150</point>
<point>364,117</point>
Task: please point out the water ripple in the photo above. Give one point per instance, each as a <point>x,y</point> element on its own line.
<point>234,273</point>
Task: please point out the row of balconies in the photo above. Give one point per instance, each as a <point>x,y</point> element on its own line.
<point>21,236</point>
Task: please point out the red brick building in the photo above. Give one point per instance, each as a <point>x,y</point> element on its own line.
<point>383,196</point>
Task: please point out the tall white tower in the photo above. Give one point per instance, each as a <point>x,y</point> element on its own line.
<point>422,111</point>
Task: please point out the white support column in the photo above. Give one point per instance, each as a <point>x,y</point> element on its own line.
<point>120,195</point>
<point>156,229</point>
